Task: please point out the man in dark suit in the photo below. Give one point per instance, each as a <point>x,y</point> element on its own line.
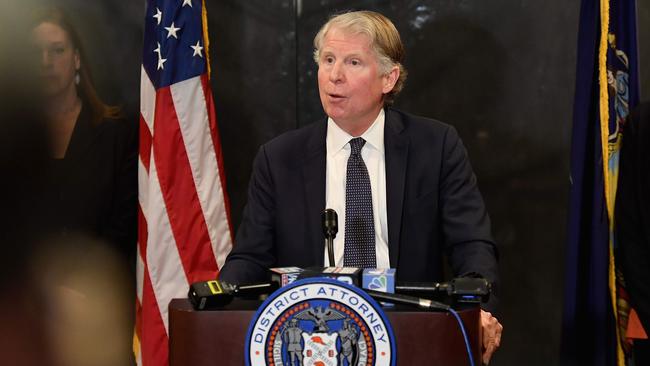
<point>402,185</point>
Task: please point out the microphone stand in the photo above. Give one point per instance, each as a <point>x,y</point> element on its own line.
<point>330,250</point>
<point>330,228</point>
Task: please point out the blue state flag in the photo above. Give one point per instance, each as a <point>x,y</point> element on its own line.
<point>607,88</point>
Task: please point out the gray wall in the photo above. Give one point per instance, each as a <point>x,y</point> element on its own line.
<point>501,71</point>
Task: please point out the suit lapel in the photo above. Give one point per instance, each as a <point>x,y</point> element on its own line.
<point>313,174</point>
<point>396,155</point>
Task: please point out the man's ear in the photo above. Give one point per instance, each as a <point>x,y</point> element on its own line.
<point>390,79</point>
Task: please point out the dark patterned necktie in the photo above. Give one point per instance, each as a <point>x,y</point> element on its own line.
<point>359,224</point>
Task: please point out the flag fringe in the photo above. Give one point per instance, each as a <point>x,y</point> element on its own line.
<point>206,39</point>
<point>604,142</point>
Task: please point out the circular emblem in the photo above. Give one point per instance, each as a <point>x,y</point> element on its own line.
<point>320,321</point>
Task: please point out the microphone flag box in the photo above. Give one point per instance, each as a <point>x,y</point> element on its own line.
<point>349,275</point>
<point>379,279</point>
<point>285,275</point>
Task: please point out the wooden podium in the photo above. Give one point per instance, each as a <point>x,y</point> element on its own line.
<point>202,338</point>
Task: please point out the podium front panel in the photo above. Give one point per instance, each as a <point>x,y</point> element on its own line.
<point>209,338</point>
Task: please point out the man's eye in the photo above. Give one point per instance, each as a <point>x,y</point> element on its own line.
<point>329,60</point>
<point>355,62</point>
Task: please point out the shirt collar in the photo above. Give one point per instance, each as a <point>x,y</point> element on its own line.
<point>337,139</point>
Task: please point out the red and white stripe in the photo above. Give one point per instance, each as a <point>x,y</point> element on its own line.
<point>184,226</point>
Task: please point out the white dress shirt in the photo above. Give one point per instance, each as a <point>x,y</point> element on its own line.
<point>338,152</point>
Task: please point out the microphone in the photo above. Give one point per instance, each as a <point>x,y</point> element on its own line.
<point>215,294</point>
<point>330,228</point>
<point>461,289</point>
<point>407,300</point>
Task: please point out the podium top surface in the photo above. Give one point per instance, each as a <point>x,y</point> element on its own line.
<point>253,305</point>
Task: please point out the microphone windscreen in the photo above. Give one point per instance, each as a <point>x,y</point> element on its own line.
<point>330,222</point>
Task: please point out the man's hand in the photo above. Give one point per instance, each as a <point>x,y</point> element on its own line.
<point>491,329</point>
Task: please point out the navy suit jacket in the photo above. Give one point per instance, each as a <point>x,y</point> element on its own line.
<point>433,202</point>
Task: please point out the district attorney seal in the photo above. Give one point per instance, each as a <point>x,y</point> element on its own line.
<point>319,321</point>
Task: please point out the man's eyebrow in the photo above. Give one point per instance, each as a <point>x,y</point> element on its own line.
<point>349,55</point>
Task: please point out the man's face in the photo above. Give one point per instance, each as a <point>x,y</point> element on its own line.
<point>59,58</point>
<point>350,83</point>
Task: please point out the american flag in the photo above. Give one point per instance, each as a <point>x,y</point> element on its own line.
<point>184,226</point>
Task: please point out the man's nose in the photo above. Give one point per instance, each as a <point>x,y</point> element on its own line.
<point>337,75</point>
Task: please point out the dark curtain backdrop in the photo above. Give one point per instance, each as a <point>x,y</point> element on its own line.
<point>502,72</point>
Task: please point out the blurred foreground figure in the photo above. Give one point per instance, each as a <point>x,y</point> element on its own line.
<point>87,302</point>
<point>633,219</point>
<point>23,163</point>
<point>64,299</point>
<point>92,198</point>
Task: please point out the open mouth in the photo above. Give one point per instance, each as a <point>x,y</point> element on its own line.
<point>336,96</point>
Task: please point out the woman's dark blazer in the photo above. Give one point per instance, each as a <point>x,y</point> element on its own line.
<point>95,189</point>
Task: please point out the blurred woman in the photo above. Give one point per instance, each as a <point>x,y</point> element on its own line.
<point>93,150</point>
<point>93,195</point>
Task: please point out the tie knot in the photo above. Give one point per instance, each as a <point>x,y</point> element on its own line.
<point>356,144</point>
